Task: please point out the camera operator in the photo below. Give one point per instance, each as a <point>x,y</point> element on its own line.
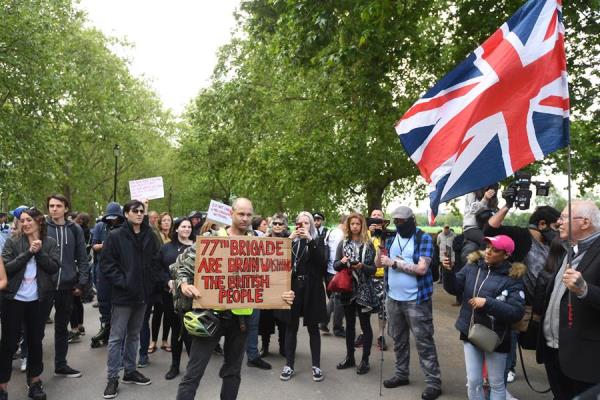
<point>484,198</point>
<point>378,233</point>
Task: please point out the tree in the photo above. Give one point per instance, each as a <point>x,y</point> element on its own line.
<point>65,100</point>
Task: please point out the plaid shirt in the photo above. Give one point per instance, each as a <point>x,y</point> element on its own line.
<point>423,248</point>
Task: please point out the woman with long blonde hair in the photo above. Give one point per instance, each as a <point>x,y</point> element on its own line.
<point>356,254</point>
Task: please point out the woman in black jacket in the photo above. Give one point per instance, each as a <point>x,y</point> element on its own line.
<point>268,318</point>
<point>308,268</point>
<point>356,253</point>
<point>30,259</point>
<point>493,296</point>
<point>180,240</point>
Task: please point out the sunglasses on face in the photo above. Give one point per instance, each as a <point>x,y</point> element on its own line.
<point>137,211</point>
<point>277,223</point>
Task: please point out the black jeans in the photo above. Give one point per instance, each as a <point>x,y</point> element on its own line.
<point>62,300</point>
<point>291,334</point>
<point>16,314</point>
<point>350,312</point>
<point>179,337</point>
<point>563,387</point>
<point>202,349</point>
<point>77,313</point>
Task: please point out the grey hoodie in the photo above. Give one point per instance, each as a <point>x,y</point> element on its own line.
<point>75,268</point>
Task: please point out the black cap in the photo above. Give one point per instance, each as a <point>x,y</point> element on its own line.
<point>318,215</point>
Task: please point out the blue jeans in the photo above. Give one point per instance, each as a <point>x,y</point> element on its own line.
<point>511,359</point>
<point>496,364</point>
<point>252,338</point>
<point>145,334</point>
<point>125,326</point>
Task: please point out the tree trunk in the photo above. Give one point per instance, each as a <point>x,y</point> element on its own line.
<point>375,196</point>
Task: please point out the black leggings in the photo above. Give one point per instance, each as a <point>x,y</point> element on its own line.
<point>350,312</point>
<point>15,315</point>
<point>164,310</point>
<point>291,333</point>
<point>177,342</point>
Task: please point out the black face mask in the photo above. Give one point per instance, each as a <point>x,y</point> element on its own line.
<point>407,229</point>
<point>549,235</point>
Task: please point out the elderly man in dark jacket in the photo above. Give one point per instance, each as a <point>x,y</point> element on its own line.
<point>130,263</point>
<point>569,342</point>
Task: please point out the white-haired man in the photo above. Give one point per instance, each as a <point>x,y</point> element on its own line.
<point>569,343</point>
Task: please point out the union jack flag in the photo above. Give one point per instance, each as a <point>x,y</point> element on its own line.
<point>505,106</point>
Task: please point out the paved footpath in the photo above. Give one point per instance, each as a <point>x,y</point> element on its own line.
<point>262,385</point>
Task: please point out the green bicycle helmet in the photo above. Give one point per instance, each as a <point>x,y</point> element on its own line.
<point>202,323</point>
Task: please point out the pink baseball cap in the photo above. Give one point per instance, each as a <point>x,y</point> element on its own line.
<point>502,242</point>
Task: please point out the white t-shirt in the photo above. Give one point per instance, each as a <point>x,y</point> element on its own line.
<point>28,291</point>
<point>335,237</point>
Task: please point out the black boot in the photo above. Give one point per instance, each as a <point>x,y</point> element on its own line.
<point>172,373</point>
<point>101,338</point>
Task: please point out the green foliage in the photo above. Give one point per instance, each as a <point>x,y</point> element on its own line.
<point>301,110</point>
<point>65,100</point>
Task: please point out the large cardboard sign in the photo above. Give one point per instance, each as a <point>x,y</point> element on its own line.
<point>242,272</point>
<point>219,213</point>
<point>147,189</point>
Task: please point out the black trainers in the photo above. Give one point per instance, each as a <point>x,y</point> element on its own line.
<point>136,377</point>
<point>317,374</point>
<point>286,374</point>
<point>431,393</point>
<point>112,389</point>
<point>36,392</point>
<point>259,363</point>
<point>67,372</point>
<point>324,328</point>
<point>348,362</point>
<point>218,349</point>
<point>74,337</point>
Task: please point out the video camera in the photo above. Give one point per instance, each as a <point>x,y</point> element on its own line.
<point>518,193</point>
<point>378,221</point>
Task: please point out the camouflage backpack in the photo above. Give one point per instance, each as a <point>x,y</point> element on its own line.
<point>184,263</point>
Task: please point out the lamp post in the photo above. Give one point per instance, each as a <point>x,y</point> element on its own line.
<point>117,153</point>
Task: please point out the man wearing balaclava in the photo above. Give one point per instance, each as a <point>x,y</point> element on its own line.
<point>409,286</point>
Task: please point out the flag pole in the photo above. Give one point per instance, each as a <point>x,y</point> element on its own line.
<point>570,236</point>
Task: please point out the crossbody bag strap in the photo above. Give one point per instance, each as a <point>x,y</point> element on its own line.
<point>474,288</point>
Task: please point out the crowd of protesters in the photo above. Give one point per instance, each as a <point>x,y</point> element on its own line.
<point>515,286</point>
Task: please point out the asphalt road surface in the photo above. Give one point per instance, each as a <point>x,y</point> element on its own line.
<point>262,385</point>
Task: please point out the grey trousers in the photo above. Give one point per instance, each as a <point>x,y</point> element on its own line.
<point>405,317</point>
<point>125,326</point>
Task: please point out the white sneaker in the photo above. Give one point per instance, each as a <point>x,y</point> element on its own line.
<point>510,377</point>
<point>23,364</point>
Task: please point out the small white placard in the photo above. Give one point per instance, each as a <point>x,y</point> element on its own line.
<point>147,189</point>
<point>219,213</point>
